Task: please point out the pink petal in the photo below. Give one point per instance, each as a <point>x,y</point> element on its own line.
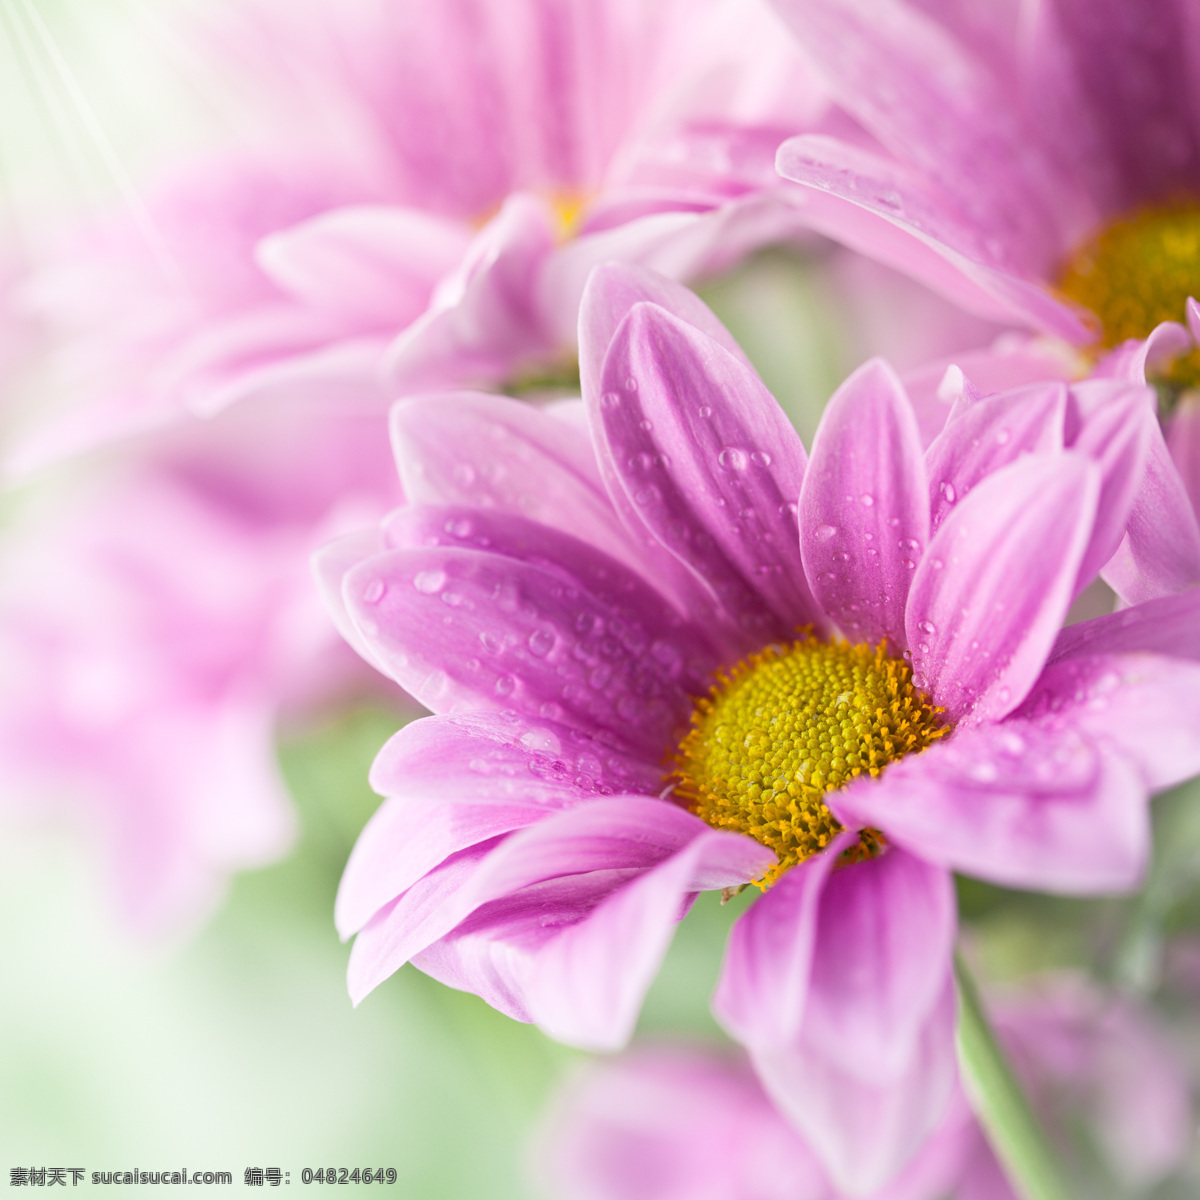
<point>711,466</point>
<point>329,565</point>
<point>508,760</point>
<point>994,586</point>
<point>765,976</point>
<point>885,931</point>
<point>983,437</point>
<point>1183,442</point>
<point>1017,803</point>
<point>864,507</point>
<point>405,840</point>
<point>1145,705</point>
<point>677,648</point>
<point>1160,553</point>
<point>1170,625</point>
<point>889,213</point>
<point>368,263</point>
<point>866,1131</point>
<point>465,629</point>
<point>611,291</point>
<point>485,324</point>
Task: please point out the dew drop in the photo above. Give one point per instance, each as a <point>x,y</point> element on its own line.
<point>936,564</point>
<point>824,532</point>
<point>374,590</point>
<point>909,564</point>
<point>733,459</point>
<point>705,411</point>
<point>610,399</point>
<point>459,527</point>
<point>645,426</point>
<point>948,491</point>
<point>541,739</point>
<point>841,556</point>
<point>429,583</point>
<point>927,627</point>
<point>631,384</point>
<point>760,458</point>
<point>866,500</point>
<point>505,685</point>
<point>491,643</point>
<point>1002,437</point>
<point>541,642</point>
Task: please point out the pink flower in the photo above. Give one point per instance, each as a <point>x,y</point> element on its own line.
<point>676,1122</point>
<point>157,624</point>
<point>564,603</point>
<point>1045,172</point>
<point>430,181</point>
<point>685,1123</point>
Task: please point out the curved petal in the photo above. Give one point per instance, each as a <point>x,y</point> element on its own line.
<point>369,263</point>
<point>1160,553</point>
<point>887,212</point>
<point>994,586</point>
<point>496,453</point>
<point>983,437</point>
<point>508,759</point>
<point>404,841</point>
<point>679,649</point>
<point>1146,705</point>
<point>612,290</point>
<point>466,629</point>
<point>1183,443</point>
<point>1018,804</point>
<point>329,567</point>
<point>764,979</point>
<point>712,468</point>
<point>864,507</point>
<point>1169,625</point>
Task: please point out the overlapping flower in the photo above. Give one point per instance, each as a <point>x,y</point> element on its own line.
<point>568,601</point>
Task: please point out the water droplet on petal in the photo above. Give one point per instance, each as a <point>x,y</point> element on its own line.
<point>374,590</point>
<point>866,500</point>
<point>459,527</point>
<point>541,642</point>
<point>610,399</point>
<point>760,458</point>
<point>948,491</point>
<point>824,532</point>
<point>429,582</point>
<point>705,411</point>
<point>505,685</point>
<point>541,739</point>
<point>909,564</point>
<point>733,459</point>
<point>631,384</point>
<point>927,627</point>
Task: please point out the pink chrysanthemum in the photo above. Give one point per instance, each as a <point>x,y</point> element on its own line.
<point>617,632</point>
<point>430,181</point>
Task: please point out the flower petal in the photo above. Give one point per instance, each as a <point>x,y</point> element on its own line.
<point>712,468</point>
<point>612,290</point>
<point>983,437</point>
<point>865,1131</point>
<point>466,629</point>
<point>884,935</point>
<point>504,758</point>
<point>994,586</point>
<point>864,506</point>
<point>1170,625</point>
<point>679,649</point>
<point>764,979</point>
<point>405,840</point>
<point>1016,803</point>
<point>329,566</point>
<point>1146,705</point>
<point>496,453</point>
<point>1160,553</point>
<point>1183,442</point>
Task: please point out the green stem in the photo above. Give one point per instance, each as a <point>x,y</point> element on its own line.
<point>1011,1128</point>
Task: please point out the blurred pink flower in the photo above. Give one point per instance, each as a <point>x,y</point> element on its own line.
<point>689,1123</point>
<point>157,622</point>
<point>433,181</point>
<point>677,1122</point>
<point>562,604</point>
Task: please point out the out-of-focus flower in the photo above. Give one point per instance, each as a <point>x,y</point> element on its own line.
<point>157,623</point>
<point>433,181</point>
<point>1026,168</point>
<point>567,606</point>
<point>1042,170</point>
<point>688,1123</point>
<point>676,1122</point>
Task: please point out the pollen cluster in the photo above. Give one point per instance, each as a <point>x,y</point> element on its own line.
<point>1139,272</point>
<point>787,725</point>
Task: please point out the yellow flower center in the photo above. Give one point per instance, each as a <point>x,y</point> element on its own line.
<point>789,724</point>
<point>1139,272</point>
